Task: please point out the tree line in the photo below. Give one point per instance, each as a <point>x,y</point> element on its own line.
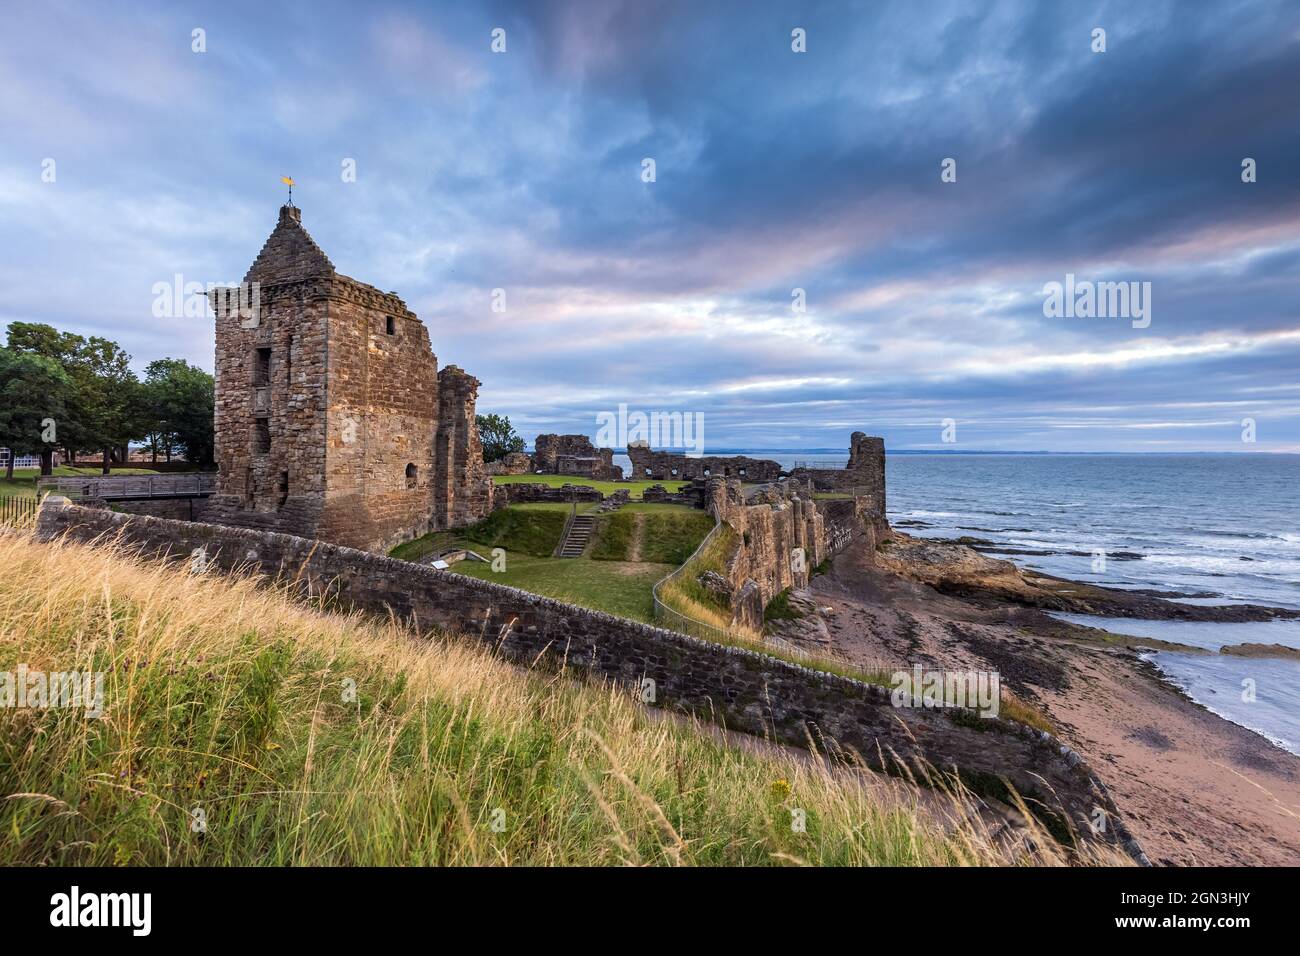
<point>77,394</point>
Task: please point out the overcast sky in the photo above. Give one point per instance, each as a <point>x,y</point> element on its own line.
<point>774,171</point>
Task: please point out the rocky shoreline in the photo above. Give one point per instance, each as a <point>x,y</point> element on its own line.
<point>1194,787</point>
<point>1261,650</point>
<point>954,567</point>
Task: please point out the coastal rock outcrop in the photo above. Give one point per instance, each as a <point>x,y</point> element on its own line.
<point>956,569</point>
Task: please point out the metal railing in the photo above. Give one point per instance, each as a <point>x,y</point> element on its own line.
<point>847,491</point>
<point>18,512</point>
<point>838,538</point>
<point>674,619</point>
<point>824,464</point>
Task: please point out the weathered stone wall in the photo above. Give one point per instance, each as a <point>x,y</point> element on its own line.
<point>178,509</point>
<point>846,519</point>
<point>596,469</point>
<point>332,419</point>
<point>781,535</point>
<point>864,475</point>
<point>741,689</point>
<point>527,492</point>
<point>382,392</point>
<point>670,466</point>
<point>283,487</point>
<point>574,455</point>
<point>463,489</point>
<point>514,463</point>
<point>692,494</point>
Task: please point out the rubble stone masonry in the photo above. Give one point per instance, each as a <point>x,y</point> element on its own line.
<point>671,466</point>
<point>332,419</point>
<point>574,455</point>
<point>864,475</point>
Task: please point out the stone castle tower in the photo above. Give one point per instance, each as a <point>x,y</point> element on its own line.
<point>332,419</point>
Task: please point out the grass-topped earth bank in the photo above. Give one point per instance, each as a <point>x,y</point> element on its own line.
<point>634,487</point>
<point>240,728</point>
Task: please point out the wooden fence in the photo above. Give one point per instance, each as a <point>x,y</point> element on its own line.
<point>132,487</point>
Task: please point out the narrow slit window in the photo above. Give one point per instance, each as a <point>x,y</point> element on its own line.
<point>262,367</point>
<point>262,436</point>
<point>390,325</point>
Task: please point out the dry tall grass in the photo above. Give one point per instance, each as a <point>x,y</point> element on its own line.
<point>683,592</point>
<point>229,739</point>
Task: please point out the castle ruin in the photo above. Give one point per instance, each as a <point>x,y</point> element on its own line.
<point>574,455</point>
<point>676,466</point>
<point>863,475</point>
<point>332,418</point>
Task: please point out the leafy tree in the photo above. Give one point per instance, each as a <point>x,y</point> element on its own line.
<point>115,410</point>
<point>498,437</point>
<point>66,349</point>
<point>106,407</point>
<point>33,390</point>
<point>180,398</point>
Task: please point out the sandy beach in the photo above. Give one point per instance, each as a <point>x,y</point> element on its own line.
<point>1194,788</point>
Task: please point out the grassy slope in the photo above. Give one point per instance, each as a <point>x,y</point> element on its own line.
<point>229,699</point>
<point>604,487</point>
<point>684,592</point>
<point>664,534</point>
<point>613,537</point>
<point>518,528</point>
<point>533,532</point>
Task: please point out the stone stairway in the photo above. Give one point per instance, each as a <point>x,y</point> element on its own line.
<point>575,540</point>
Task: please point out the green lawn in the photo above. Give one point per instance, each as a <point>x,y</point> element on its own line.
<point>529,535</point>
<point>616,587</point>
<point>604,487</point>
<point>24,483</point>
<point>621,588</point>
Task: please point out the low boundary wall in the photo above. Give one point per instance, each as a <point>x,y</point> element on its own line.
<point>738,688</point>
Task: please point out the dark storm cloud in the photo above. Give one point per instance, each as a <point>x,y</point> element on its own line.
<point>776,171</point>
